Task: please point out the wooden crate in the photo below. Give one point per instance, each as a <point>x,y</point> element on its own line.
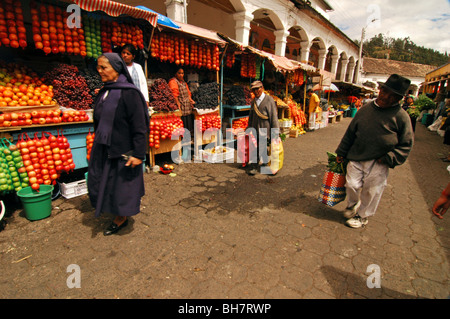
<point>165,147</point>
<point>293,133</point>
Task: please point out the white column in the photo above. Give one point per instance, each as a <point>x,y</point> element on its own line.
<point>175,10</point>
<point>350,72</point>
<point>242,27</point>
<point>334,63</point>
<point>344,63</point>
<point>280,41</point>
<point>304,54</point>
<point>322,58</point>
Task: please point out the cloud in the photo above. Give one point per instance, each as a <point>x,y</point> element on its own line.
<point>426,23</point>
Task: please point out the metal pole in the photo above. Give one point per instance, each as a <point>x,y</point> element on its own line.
<point>360,55</point>
<point>185,11</point>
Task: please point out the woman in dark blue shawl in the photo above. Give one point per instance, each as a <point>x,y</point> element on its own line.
<point>121,125</point>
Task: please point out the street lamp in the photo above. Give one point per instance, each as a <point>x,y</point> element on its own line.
<point>360,50</point>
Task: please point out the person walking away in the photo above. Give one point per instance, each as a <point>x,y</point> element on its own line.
<point>263,117</point>
<point>128,54</point>
<point>121,125</point>
<point>379,137</point>
<point>184,100</point>
<point>314,103</point>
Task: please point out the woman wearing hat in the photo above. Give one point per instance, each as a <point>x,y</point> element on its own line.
<point>378,138</point>
<point>121,124</point>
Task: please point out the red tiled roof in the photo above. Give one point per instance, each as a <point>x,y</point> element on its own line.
<point>384,66</point>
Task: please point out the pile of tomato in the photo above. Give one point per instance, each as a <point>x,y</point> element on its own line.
<point>45,158</point>
<point>211,120</point>
<point>162,128</point>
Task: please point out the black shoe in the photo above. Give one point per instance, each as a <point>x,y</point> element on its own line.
<point>113,228</point>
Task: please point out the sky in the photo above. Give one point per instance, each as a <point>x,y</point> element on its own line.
<point>425,22</point>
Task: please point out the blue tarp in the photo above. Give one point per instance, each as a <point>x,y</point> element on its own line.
<point>161,18</point>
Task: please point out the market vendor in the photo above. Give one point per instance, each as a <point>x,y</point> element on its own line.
<point>128,54</point>
<point>314,105</point>
<point>183,96</point>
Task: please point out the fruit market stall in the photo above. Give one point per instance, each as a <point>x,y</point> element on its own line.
<point>48,80</point>
<point>198,52</point>
<point>245,64</point>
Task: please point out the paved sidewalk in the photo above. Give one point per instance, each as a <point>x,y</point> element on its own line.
<point>214,232</point>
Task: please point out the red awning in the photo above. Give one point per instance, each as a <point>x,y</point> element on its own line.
<point>116,9</point>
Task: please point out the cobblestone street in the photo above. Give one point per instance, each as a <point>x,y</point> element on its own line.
<point>212,231</point>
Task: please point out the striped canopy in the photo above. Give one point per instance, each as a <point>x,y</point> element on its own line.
<point>116,9</point>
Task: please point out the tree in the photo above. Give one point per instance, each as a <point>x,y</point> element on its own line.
<point>404,49</point>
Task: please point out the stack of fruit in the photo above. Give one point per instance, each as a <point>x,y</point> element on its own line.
<point>248,65</point>
<point>13,175</point>
<point>163,127</point>
<point>30,118</point>
<point>70,88</point>
<point>89,143</point>
<point>241,123</point>
<point>176,49</point>
<point>51,32</point>
<point>92,36</point>
<point>210,120</point>
<point>74,116</point>
<point>230,58</point>
<point>161,97</point>
<point>20,86</point>
<point>12,28</point>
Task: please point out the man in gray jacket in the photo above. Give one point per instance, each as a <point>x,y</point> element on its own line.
<point>379,137</point>
<point>263,117</point>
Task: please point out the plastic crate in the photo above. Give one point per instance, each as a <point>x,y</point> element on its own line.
<point>74,189</point>
<point>219,157</point>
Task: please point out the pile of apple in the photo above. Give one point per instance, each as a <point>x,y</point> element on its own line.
<point>13,175</point>
<point>175,49</point>
<point>12,29</point>
<point>74,116</point>
<point>162,128</point>
<point>211,120</point>
<point>92,36</point>
<point>51,32</point>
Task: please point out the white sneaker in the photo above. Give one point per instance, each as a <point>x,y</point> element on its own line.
<point>357,222</point>
<point>351,212</point>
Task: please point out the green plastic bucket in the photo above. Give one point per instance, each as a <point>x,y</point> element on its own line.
<point>37,205</point>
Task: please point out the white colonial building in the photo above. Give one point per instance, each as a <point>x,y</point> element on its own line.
<point>297,29</point>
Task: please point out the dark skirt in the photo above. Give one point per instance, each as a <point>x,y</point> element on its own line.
<point>447,136</point>
<point>113,187</point>
<point>188,123</point>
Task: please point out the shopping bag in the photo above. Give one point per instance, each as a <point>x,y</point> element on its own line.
<point>276,155</point>
<point>246,144</point>
<point>332,190</point>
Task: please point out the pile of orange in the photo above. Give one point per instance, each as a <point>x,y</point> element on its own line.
<point>26,95</point>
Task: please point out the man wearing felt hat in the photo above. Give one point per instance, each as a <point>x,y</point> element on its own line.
<point>379,137</point>
<point>263,117</point>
